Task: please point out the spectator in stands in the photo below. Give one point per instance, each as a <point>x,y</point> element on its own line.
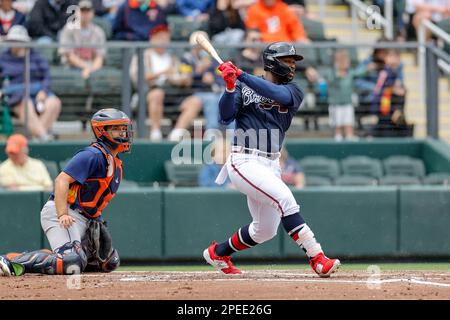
<point>88,60</point>
<point>24,6</point>
<point>434,10</point>
<point>107,9</point>
<point>340,89</point>
<point>48,17</point>
<point>291,172</point>
<point>209,172</point>
<point>195,9</point>
<point>43,106</point>
<point>250,58</point>
<point>276,21</point>
<point>161,69</point>
<point>21,172</point>
<point>398,15</point>
<point>9,16</point>
<point>368,72</point>
<point>389,90</point>
<point>208,84</point>
<point>300,9</point>
<point>225,23</point>
<point>135,20</point>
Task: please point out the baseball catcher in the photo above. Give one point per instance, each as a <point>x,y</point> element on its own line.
<point>71,218</point>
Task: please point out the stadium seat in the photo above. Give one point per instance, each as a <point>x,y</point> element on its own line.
<point>67,80</point>
<point>320,166</point>
<point>315,181</point>
<point>314,29</point>
<point>437,178</point>
<point>104,25</point>
<point>404,165</point>
<point>362,166</point>
<point>182,174</point>
<point>353,180</point>
<point>106,81</point>
<point>52,168</point>
<point>181,28</point>
<point>397,180</point>
<point>113,57</point>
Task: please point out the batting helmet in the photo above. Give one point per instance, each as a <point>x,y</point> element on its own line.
<point>105,118</point>
<point>272,63</point>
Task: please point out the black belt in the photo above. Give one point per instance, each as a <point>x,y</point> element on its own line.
<point>268,155</point>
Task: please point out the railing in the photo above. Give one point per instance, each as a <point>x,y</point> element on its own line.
<point>139,47</point>
<point>386,22</point>
<point>431,59</point>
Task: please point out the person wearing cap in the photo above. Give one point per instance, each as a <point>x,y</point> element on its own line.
<point>48,17</point>
<point>9,16</point>
<point>20,172</point>
<point>135,20</point>
<point>88,60</point>
<point>161,69</point>
<point>43,106</point>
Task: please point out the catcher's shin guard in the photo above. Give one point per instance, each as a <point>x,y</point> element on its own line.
<point>69,259</point>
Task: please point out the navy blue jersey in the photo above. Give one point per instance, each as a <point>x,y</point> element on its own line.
<point>90,163</point>
<point>261,122</point>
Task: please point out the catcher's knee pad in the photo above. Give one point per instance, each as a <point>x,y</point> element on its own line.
<point>112,262</point>
<point>69,259</point>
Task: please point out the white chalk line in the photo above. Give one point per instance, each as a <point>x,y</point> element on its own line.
<point>335,281</point>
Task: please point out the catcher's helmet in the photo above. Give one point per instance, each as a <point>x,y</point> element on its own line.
<point>271,62</point>
<point>104,118</point>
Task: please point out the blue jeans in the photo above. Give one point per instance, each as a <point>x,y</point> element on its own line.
<point>210,101</point>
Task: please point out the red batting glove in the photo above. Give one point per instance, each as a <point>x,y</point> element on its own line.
<point>230,77</point>
<point>230,64</point>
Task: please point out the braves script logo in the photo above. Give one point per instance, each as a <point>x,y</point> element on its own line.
<point>250,96</point>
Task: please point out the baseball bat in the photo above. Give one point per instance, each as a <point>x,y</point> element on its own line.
<point>208,47</point>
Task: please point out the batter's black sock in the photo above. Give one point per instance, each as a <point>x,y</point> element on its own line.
<point>239,241</point>
<point>299,231</point>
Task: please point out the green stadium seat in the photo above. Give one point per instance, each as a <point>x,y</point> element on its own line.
<point>314,29</point>
<point>399,180</point>
<point>404,165</point>
<point>128,185</point>
<point>49,54</point>
<point>67,80</point>
<point>52,168</point>
<point>105,25</point>
<point>362,166</point>
<point>181,29</point>
<point>320,166</point>
<point>182,174</point>
<point>353,180</point>
<point>315,181</point>
<point>106,81</point>
<point>63,163</point>
<point>437,178</point>
<point>113,57</point>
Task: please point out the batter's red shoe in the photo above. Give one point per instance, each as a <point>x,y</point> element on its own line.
<point>324,266</point>
<point>222,264</point>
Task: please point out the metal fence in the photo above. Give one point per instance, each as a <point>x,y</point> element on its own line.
<point>430,65</point>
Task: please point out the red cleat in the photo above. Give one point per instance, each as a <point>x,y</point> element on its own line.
<point>324,266</point>
<point>222,264</point>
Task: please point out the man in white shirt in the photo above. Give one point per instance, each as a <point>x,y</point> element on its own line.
<point>21,172</point>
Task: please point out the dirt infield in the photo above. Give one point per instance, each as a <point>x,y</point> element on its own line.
<point>270,284</point>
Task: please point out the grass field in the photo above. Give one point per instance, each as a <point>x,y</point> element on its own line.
<point>422,266</point>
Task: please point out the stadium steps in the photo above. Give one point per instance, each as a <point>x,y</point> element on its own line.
<point>338,24</point>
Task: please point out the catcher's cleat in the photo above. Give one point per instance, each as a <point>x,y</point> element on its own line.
<point>222,264</point>
<point>323,265</point>
<point>8,268</point>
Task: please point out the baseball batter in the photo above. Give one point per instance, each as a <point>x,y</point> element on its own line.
<point>71,218</point>
<point>263,108</point>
